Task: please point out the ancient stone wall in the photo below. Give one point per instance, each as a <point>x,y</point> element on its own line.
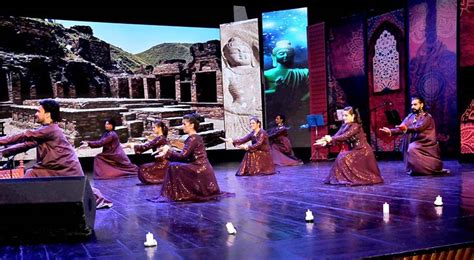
<point>208,110</point>
<point>168,69</point>
<point>5,109</point>
<point>78,124</point>
<point>149,84</point>
<point>207,58</point>
<point>92,103</point>
<point>136,87</point>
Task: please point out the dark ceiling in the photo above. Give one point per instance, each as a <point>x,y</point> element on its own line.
<point>201,16</point>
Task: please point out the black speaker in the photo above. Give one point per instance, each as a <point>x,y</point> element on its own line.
<point>43,209</point>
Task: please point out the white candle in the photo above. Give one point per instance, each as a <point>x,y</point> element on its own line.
<point>230,228</point>
<point>386,208</point>
<point>309,216</point>
<point>438,201</point>
<point>149,237</point>
<point>150,241</point>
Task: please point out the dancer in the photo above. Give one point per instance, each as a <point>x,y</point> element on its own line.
<point>421,151</point>
<point>358,165</point>
<point>112,162</point>
<point>190,176</point>
<point>153,173</point>
<point>280,144</point>
<point>257,160</point>
<point>55,156</point>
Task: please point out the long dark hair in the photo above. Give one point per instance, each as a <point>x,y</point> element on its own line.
<point>355,113</point>
<point>193,119</point>
<point>162,125</point>
<point>111,122</point>
<point>51,106</point>
<point>256,121</point>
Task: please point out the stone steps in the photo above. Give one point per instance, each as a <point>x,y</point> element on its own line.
<point>5,109</point>
<point>91,103</point>
<point>84,118</point>
<point>205,126</point>
<point>178,106</point>
<point>128,116</point>
<point>161,112</point>
<point>141,105</point>
<point>138,139</point>
<point>122,132</point>
<point>167,101</point>
<point>177,121</point>
<point>135,128</point>
<point>211,137</point>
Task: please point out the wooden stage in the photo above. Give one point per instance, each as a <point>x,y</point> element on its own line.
<point>268,213</point>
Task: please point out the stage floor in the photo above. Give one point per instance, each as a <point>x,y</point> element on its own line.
<point>269,213</point>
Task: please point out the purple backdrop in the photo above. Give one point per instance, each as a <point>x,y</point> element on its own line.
<point>347,82</point>
<point>432,64</point>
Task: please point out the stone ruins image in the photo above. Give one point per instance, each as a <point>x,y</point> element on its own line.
<point>94,80</point>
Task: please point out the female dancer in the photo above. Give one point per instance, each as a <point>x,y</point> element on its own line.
<point>356,166</point>
<point>257,160</point>
<point>112,162</point>
<point>280,144</point>
<point>153,173</point>
<point>190,176</point>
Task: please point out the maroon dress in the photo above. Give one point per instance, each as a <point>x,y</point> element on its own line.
<point>55,156</point>
<point>112,162</point>
<point>257,160</point>
<point>420,148</point>
<point>190,176</point>
<point>356,166</point>
<point>152,173</point>
<point>280,147</point>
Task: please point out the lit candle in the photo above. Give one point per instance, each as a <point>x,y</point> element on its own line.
<point>309,216</point>
<point>438,201</point>
<point>149,237</point>
<point>386,208</point>
<point>150,241</point>
<point>230,228</point>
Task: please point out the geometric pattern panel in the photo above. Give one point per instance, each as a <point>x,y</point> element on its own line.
<point>386,63</point>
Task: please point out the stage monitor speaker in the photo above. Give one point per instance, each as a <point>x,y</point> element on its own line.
<point>42,209</point>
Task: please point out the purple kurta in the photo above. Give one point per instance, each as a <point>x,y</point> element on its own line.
<point>152,173</point>
<point>192,178</point>
<point>280,147</point>
<point>356,166</point>
<point>420,148</point>
<point>257,160</point>
<point>112,162</point>
<point>55,156</point>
